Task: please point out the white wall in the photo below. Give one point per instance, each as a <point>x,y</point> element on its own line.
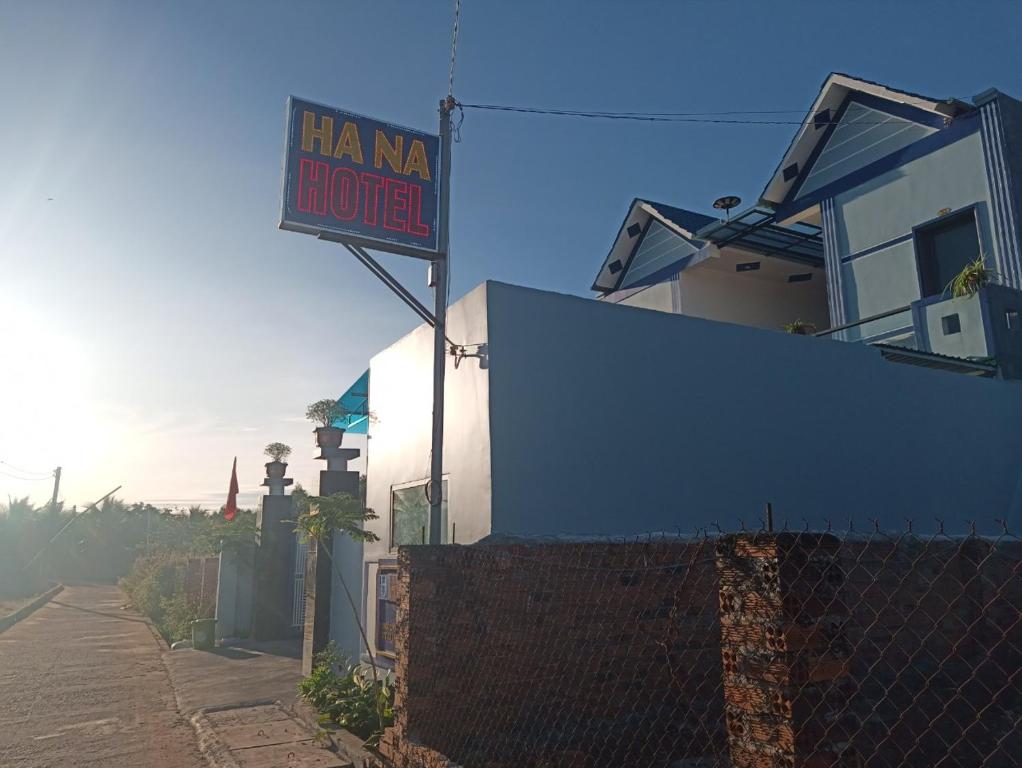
<point>762,298</point>
<point>400,404</point>
<point>658,296</point>
<point>607,419</point>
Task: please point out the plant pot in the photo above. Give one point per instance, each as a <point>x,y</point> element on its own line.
<point>329,437</point>
<point>276,469</point>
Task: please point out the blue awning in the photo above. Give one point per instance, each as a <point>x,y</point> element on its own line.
<point>355,403</point>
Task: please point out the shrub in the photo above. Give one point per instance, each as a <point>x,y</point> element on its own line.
<point>345,695</point>
<point>155,586</point>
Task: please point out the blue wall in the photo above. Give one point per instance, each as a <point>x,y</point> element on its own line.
<point>875,219</point>
<point>862,136</point>
<point>607,419</point>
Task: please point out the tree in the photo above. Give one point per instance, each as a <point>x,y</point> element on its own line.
<point>278,451</point>
<point>325,412</point>
<point>317,517</point>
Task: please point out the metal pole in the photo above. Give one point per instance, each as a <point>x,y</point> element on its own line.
<point>436,464</point>
<point>56,489</point>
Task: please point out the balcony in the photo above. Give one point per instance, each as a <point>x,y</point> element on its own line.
<point>979,335</point>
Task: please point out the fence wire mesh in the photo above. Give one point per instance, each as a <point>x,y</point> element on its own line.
<point>749,649</point>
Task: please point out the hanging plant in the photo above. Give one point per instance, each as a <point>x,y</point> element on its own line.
<point>973,276</point>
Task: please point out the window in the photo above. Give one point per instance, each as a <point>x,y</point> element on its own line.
<point>409,515</point>
<point>386,611</point>
<point>943,248</point>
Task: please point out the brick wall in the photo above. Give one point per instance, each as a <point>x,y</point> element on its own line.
<point>772,650</point>
<point>557,655</point>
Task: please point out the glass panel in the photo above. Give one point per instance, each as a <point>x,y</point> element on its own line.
<point>386,611</point>
<point>944,249</point>
<point>410,515</point>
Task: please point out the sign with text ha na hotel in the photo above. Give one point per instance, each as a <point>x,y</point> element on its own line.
<point>358,180</point>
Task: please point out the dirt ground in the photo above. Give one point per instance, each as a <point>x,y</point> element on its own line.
<point>11,604</point>
<point>82,683</point>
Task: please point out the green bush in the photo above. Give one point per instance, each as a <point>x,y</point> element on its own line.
<point>155,586</point>
<point>347,695</point>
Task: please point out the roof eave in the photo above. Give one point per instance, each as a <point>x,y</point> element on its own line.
<point>776,189</point>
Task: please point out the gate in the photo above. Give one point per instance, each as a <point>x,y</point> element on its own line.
<point>298,584</point>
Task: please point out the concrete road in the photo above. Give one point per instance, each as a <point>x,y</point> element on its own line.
<point>82,684</point>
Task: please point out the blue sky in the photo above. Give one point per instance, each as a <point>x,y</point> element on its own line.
<point>159,323</point>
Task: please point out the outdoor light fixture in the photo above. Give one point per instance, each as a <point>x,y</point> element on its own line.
<point>726,203</point>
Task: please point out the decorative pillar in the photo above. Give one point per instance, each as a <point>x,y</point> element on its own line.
<point>784,650</point>
<point>275,479</point>
<point>329,616</point>
<point>273,606</point>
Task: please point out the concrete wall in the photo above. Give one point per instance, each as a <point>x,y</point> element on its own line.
<point>887,207</point>
<point>659,297</point>
<point>400,400</point>
<point>762,298</point>
<point>970,341</point>
<point>235,582</point>
<point>607,419</point>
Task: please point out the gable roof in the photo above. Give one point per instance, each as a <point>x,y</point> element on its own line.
<point>833,94</point>
<point>680,222</point>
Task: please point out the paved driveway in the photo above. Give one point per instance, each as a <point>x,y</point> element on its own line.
<point>82,684</point>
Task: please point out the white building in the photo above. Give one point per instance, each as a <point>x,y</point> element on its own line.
<point>580,416</point>
<point>586,417</point>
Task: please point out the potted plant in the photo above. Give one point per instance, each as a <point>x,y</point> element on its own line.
<point>324,413</point>
<point>973,276</point>
<point>800,328</point>
<point>278,453</point>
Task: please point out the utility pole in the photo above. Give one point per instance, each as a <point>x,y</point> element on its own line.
<point>440,265</point>
<point>56,489</point>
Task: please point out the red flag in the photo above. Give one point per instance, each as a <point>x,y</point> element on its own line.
<point>232,494</point>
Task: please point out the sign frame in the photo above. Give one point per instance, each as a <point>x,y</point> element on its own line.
<point>339,234</point>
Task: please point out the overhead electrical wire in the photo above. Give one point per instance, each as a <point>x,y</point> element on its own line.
<point>25,471</point>
<point>25,479</point>
<point>671,117</point>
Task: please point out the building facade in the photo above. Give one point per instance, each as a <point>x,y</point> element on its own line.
<point>881,200</point>
<point>566,415</point>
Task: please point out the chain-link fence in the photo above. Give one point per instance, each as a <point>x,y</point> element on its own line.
<point>747,649</point>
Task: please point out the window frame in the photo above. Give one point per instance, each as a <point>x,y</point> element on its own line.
<point>381,569</point>
<point>445,481</point>
<point>920,231</point>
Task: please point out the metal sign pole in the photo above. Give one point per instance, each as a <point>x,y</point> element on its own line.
<point>436,467</point>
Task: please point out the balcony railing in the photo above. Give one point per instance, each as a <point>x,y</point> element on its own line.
<point>893,327</point>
